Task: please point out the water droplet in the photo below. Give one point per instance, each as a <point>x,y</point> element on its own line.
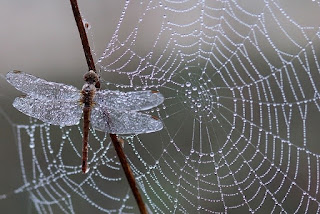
<point>87,25</point>
<point>87,170</point>
<point>188,84</point>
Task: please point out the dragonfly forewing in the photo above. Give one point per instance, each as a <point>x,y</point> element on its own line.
<point>128,101</point>
<point>40,88</point>
<point>123,122</point>
<point>56,112</point>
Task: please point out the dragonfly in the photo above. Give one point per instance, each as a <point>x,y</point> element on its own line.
<point>114,112</point>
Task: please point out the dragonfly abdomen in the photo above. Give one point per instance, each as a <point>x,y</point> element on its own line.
<point>86,124</point>
<point>87,92</point>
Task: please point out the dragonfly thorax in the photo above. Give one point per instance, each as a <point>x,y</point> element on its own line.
<point>87,88</point>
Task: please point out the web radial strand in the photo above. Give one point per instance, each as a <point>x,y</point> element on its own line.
<point>241,87</point>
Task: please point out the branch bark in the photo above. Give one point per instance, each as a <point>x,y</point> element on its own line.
<point>117,145</point>
<point>127,170</point>
<point>83,35</point>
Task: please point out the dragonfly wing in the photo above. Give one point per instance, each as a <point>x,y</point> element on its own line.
<point>63,113</point>
<point>40,88</point>
<point>128,101</point>
<point>123,122</point>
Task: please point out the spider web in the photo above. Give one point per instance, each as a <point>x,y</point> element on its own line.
<point>241,87</point>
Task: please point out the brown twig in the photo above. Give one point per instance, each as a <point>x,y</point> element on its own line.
<point>117,145</point>
<point>83,35</point>
<point>127,170</point>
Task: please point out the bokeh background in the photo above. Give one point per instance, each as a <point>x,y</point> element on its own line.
<point>40,37</point>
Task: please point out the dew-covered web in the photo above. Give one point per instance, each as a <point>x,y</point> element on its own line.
<point>241,87</point>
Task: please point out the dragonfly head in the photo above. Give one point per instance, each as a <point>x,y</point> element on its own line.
<point>91,77</point>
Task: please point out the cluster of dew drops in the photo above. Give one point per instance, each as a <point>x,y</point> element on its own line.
<point>199,98</point>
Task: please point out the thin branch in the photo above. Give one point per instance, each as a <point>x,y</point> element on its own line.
<point>83,35</point>
<point>117,145</point>
<point>127,170</point>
